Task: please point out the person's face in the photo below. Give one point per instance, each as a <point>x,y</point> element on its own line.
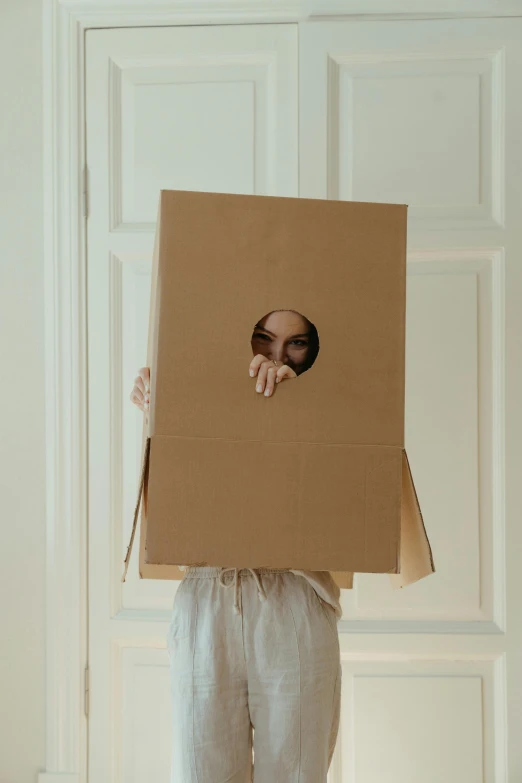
<point>283,336</point>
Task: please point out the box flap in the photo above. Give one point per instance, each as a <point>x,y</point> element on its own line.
<point>141,493</point>
<point>416,558</point>
<point>325,506</point>
<point>146,571</point>
<point>343,578</point>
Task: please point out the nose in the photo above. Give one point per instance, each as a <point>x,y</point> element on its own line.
<point>278,354</point>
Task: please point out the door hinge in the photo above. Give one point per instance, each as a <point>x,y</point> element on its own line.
<point>86,678</point>
<point>85,192</point>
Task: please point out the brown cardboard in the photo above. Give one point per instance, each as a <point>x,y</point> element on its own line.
<point>315,477</point>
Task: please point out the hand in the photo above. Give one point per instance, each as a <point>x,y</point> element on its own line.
<point>268,373</point>
<point>140,394</point>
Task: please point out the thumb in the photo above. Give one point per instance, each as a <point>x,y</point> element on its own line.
<point>285,372</point>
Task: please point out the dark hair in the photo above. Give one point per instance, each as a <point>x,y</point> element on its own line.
<point>313,345</point>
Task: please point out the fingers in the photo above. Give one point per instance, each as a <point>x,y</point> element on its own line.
<point>140,394</point>
<point>144,377</point>
<point>268,374</point>
<point>285,372</point>
<point>136,397</point>
<point>270,379</point>
<point>255,364</point>
<point>276,375</point>
<point>262,373</point>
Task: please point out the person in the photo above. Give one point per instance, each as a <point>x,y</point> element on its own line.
<point>256,692</point>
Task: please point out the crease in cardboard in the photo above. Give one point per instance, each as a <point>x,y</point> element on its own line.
<point>283,442</point>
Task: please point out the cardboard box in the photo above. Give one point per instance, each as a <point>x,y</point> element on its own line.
<point>315,477</point>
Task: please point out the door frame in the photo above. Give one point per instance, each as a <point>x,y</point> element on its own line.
<point>65,23</point>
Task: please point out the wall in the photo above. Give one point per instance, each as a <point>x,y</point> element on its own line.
<point>22,543</point>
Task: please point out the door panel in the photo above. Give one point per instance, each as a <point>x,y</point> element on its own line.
<point>428,113</point>
<point>197,108</point>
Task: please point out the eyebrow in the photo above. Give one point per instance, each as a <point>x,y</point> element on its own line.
<point>262,328</point>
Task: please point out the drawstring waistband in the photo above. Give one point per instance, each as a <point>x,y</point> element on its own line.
<point>260,589</point>
<point>211,572</point>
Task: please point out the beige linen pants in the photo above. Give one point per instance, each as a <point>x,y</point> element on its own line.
<point>255,672</point>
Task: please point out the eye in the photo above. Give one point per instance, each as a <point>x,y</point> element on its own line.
<point>297,337</point>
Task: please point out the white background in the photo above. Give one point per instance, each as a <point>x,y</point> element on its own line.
<point>22,447</point>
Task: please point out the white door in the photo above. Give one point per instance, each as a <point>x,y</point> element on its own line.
<point>429,113</point>
<point>424,113</point>
<point>190,108</point>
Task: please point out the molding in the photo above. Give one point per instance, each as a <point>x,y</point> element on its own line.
<point>364,627</point>
<point>116,700</point>
<point>211,66</point>
<point>135,13</point>
<point>115,379</point>
<point>418,627</point>
<point>489,615</point>
<point>421,655</point>
<point>66,404</point>
<point>489,212</point>
<point>383,10</point>
<point>500,702</point>
<point>498,426</point>
<point>488,261</point>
